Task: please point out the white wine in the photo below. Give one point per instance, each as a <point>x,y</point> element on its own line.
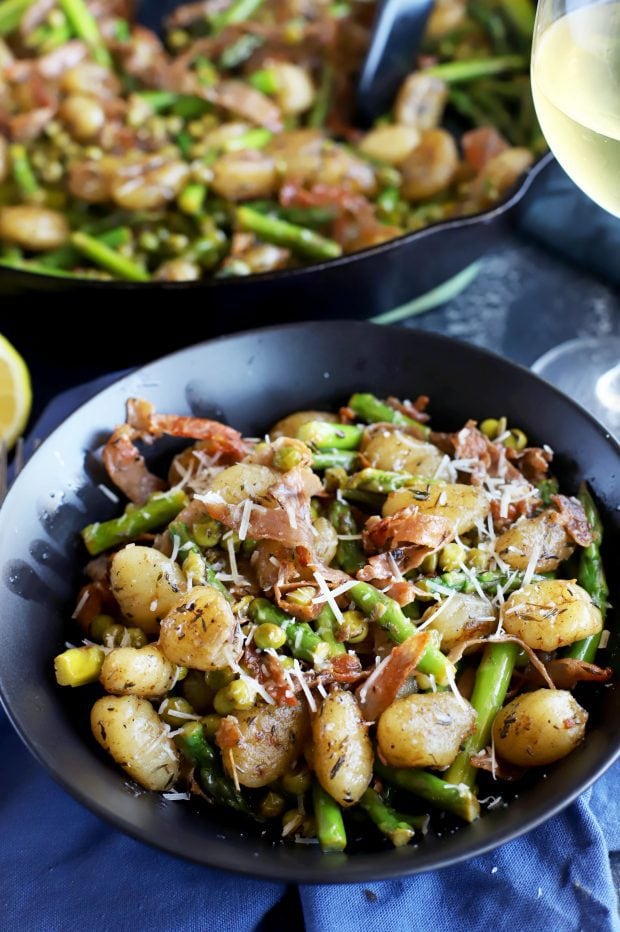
<point>576,87</point>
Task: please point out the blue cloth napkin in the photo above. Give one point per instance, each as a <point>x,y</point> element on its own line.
<point>63,869</point>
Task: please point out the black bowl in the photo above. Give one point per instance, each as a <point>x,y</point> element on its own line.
<point>250,380</point>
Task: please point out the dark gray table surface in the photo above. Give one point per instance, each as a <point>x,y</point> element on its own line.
<point>524,301</point>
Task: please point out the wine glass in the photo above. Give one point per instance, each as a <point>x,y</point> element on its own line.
<point>576,89</point>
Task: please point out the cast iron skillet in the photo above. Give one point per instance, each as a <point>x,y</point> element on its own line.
<point>359,285</point>
<point>252,379</point>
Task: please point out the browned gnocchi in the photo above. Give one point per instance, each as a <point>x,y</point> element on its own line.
<point>346,615</point>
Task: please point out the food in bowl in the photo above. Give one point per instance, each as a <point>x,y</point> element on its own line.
<point>231,148</point>
<point>355,614</point>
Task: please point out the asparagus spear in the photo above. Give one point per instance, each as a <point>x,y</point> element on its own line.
<point>192,198</point>
<point>108,259</point>
<point>66,256</point>
<point>327,459</point>
<point>492,23</point>
<point>455,72</point>
<point>254,138</point>
<point>490,688</point>
<point>158,510</point>
<point>464,582</point>
<point>327,436</point>
<point>300,240</point>
<point>239,51</point>
<point>322,100</point>
<point>197,750</point>
<point>386,819</point>
<point>237,12</point>
<point>11,12</point>
<point>307,216</point>
<point>462,102</point>
<point>591,576</point>
<point>369,408</point>
<point>265,80</point>
<point>22,172</point>
<point>383,481</point>
<point>444,794</point>
<point>302,640</point>
<point>325,627</point>
<point>36,268</point>
<point>547,488</point>
<point>373,500</point>
<point>158,100</point>
<point>521,15</point>
<point>388,614</point>
<point>85,26</point>
<point>329,825</point>
<point>208,574</point>
<point>350,553</point>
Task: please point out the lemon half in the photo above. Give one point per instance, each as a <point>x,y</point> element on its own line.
<point>15,393</point>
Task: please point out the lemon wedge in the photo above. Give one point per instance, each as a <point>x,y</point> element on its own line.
<point>15,393</point>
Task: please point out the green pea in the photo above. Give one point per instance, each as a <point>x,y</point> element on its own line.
<point>355,627</point>
<point>451,557</point>
<point>113,635</point>
<point>137,637</point>
<point>269,636</point>
<point>429,563</point>
<point>211,723</point>
<point>478,559</point>
<point>217,679</point>
<point>292,821</point>
<point>271,806</point>
<point>236,696</point>
<point>296,782</point>
<point>99,625</point>
<point>172,705</point>
<point>286,458</point>
<point>208,533</point>
<point>517,439</point>
<point>197,692</point>
<point>301,596</point>
<point>489,427</point>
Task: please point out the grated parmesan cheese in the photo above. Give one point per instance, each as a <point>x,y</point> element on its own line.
<point>245,518</point>
<point>257,687</point>
<point>531,564</point>
<point>340,590</point>
<point>329,598</point>
<point>108,492</point>
<point>232,559</point>
<point>304,685</point>
<point>176,541</point>
<point>84,599</point>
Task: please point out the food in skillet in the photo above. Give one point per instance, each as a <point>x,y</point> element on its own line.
<point>231,149</point>
<point>356,614</point>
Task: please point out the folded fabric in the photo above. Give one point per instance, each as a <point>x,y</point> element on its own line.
<point>63,869</point>
<point>564,219</point>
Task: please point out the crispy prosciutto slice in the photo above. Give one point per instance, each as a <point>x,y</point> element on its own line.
<point>406,537</point>
<point>289,522</point>
<point>149,425</point>
<point>382,686</point>
<point>126,467</point>
<point>572,517</point>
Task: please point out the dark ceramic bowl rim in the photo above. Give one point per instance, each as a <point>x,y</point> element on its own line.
<point>352,870</point>
<point>348,259</point>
